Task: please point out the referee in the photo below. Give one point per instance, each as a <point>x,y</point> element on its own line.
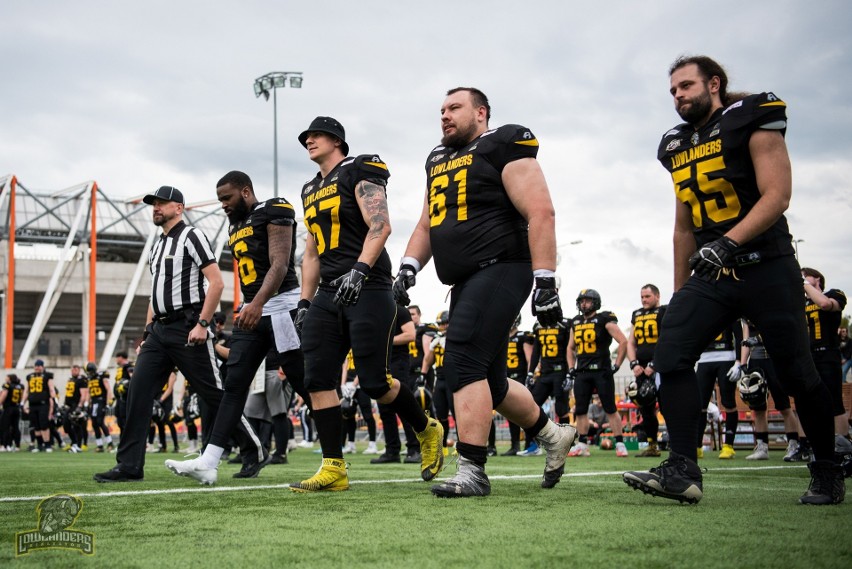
<point>176,333</point>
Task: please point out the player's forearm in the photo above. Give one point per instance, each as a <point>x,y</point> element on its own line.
<point>684,246</point>
<point>542,239</point>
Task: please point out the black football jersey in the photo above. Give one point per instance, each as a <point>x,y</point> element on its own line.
<point>415,348</point>
<point>550,348</point>
<point>15,392</point>
<point>38,388</point>
<point>72,389</point>
<point>438,346</point>
<point>646,331</point>
<point>516,358</point>
<point>712,171</point>
<point>592,340</point>
<point>724,342</point>
<point>334,219</point>
<point>822,324</point>
<point>473,223</point>
<point>97,388</point>
<point>249,243</point>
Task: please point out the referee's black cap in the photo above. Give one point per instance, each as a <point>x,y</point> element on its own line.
<point>168,193</point>
<point>327,125</point>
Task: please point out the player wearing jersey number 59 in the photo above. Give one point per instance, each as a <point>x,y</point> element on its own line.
<point>346,299</point>
<point>489,223</point>
<point>733,182</point>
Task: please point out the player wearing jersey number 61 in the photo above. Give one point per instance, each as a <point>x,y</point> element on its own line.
<point>489,224</point>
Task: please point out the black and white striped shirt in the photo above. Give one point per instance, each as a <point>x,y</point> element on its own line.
<point>176,261</point>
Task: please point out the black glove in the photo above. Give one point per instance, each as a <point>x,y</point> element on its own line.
<point>530,380</point>
<point>301,312</point>
<point>568,382</point>
<point>751,342</point>
<point>713,257</point>
<point>545,302</point>
<point>405,279</point>
<point>420,381</point>
<point>615,368</point>
<point>349,285</point>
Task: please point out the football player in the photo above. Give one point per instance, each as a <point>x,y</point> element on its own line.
<point>518,355</point>
<point>645,324</point>
<point>76,399</point>
<point>123,372</point>
<point>11,399</point>
<point>550,360</point>
<point>346,299</point>
<point>733,257</point>
<point>591,367</point>
<point>489,223</point>
<point>98,390</point>
<point>38,396</point>
<point>433,362</point>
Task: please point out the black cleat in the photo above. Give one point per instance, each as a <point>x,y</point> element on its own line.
<point>385,459</point>
<point>827,485</point>
<point>278,459</point>
<point>677,478</point>
<point>117,475</point>
<point>511,452</point>
<point>251,469</point>
<point>413,458</point>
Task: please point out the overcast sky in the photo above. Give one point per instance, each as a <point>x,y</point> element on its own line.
<point>137,95</point>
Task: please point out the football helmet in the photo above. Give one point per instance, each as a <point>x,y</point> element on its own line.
<point>642,391</point>
<point>592,295</point>
<point>79,415</point>
<point>424,399</point>
<point>92,369</point>
<point>443,318</point>
<point>752,387</point>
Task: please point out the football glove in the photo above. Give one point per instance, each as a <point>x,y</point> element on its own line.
<point>420,381</point>
<point>301,312</point>
<point>545,302</point>
<point>348,390</point>
<point>568,382</point>
<point>713,257</point>
<point>349,285</point>
<point>615,368</point>
<point>751,342</point>
<point>405,279</point>
<point>530,380</point>
<point>735,373</point>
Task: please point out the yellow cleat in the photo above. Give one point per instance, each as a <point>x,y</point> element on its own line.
<point>446,451</point>
<point>700,452</point>
<point>727,452</point>
<point>331,477</point>
<point>431,449</point>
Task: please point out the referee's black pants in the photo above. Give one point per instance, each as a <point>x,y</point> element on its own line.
<point>165,349</point>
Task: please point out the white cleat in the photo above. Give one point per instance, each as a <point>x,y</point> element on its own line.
<point>194,469</point>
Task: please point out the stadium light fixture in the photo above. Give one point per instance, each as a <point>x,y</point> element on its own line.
<point>271,82</point>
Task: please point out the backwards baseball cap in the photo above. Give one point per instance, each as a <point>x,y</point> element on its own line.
<point>39,363</point>
<point>327,125</point>
<point>168,193</point>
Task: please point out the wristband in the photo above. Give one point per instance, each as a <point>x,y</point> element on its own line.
<point>412,262</point>
<point>544,274</point>
<point>362,267</point>
<point>634,363</point>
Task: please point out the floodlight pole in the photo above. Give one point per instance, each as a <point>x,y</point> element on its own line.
<point>271,82</point>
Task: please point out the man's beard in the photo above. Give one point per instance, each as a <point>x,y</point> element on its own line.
<point>162,219</point>
<point>239,212</point>
<point>460,138</point>
<point>698,109</point>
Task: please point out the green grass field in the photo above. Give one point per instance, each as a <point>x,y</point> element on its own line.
<point>749,517</point>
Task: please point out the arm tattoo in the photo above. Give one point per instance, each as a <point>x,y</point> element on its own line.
<point>375,202</point>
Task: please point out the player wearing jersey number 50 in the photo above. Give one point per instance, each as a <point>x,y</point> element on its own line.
<point>346,299</point>
<point>733,182</point>
<point>489,223</point>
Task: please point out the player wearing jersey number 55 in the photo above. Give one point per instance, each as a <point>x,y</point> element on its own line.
<point>489,224</point>
<point>733,182</point>
<point>346,299</point>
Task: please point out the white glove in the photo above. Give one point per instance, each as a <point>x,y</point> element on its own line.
<point>348,390</point>
<point>735,373</point>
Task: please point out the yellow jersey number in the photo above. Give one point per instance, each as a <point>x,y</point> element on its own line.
<point>512,359</point>
<point>331,204</point>
<point>817,327</point>
<point>95,389</point>
<point>438,197</point>
<point>718,196</point>
<point>245,263</point>
<point>549,345</point>
<point>586,341</point>
<point>36,384</point>
<point>69,389</point>
<point>647,332</point>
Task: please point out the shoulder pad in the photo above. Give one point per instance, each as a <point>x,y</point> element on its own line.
<point>514,133</point>
<point>7,385</point>
<point>837,295</point>
<point>373,167</point>
<point>764,110</point>
<point>278,209</point>
<point>608,316</point>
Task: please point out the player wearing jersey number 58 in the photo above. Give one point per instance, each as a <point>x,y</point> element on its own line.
<point>346,299</point>
<point>489,224</point>
<point>733,182</point>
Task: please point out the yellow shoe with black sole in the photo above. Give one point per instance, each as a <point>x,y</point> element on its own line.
<point>431,449</point>
<point>331,477</point>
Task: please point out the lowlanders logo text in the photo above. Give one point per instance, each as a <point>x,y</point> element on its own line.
<point>55,515</point>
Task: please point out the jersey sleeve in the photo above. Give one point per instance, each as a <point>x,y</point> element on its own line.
<point>754,112</point>
<point>371,168</point>
<point>837,295</point>
<point>510,142</point>
<point>279,212</point>
<point>198,247</point>
<point>608,317</point>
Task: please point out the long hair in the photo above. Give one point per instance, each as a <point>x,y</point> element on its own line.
<point>710,68</point>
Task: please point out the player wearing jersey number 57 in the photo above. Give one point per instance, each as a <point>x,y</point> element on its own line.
<point>489,224</point>
<point>733,182</point>
<point>346,299</point>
